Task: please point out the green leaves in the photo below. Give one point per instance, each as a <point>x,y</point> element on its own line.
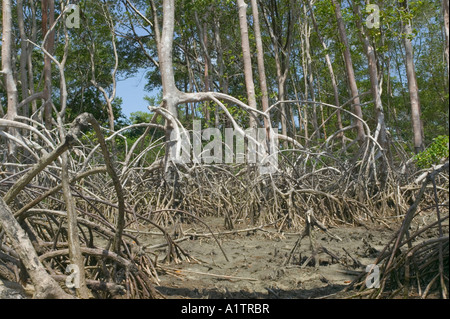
<point>434,153</point>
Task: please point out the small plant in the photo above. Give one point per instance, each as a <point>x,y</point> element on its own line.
<point>434,153</point>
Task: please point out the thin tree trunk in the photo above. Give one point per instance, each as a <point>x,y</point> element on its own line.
<point>48,18</point>
<point>34,29</point>
<point>203,36</point>
<point>207,70</point>
<point>331,71</point>
<point>249,84</point>
<point>109,98</point>
<point>282,55</point>
<point>297,98</point>
<point>446,26</point>
<point>373,76</point>
<point>350,72</point>
<point>7,70</point>
<point>261,68</point>
<point>305,96</point>
<point>322,113</point>
<point>23,58</point>
<point>412,86</point>
<point>310,79</point>
<point>281,97</point>
<point>220,64</point>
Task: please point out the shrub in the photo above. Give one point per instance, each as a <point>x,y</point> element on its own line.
<point>434,153</point>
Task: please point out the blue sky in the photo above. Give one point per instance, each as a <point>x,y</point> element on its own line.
<point>132,93</point>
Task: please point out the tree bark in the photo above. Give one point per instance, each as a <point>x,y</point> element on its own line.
<point>261,68</point>
<point>331,71</point>
<point>23,58</point>
<point>170,98</point>
<point>223,82</point>
<point>109,98</point>
<point>417,125</point>
<point>249,84</point>
<point>34,29</point>
<point>373,76</point>
<point>309,77</point>
<point>282,55</point>
<point>350,72</point>
<point>203,36</point>
<point>48,18</point>
<point>446,30</point>
<point>7,69</point>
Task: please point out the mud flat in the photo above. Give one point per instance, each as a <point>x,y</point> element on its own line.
<point>257,267</point>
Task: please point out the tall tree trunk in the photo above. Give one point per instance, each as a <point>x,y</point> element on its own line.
<point>34,29</point>
<point>48,18</point>
<point>221,65</point>
<point>282,54</point>
<point>23,57</point>
<point>446,31</point>
<point>261,67</point>
<point>305,95</point>
<point>350,72</point>
<point>109,98</point>
<point>7,69</point>
<point>281,97</point>
<point>171,94</point>
<point>206,75</point>
<point>331,71</point>
<point>309,77</point>
<point>373,76</point>
<point>249,84</point>
<point>417,125</point>
<point>203,36</point>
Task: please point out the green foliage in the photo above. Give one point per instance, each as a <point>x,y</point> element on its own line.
<point>91,45</point>
<point>434,153</point>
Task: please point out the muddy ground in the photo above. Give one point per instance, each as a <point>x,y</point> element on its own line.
<point>256,265</point>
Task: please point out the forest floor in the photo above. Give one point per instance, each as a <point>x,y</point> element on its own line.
<point>256,262</point>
